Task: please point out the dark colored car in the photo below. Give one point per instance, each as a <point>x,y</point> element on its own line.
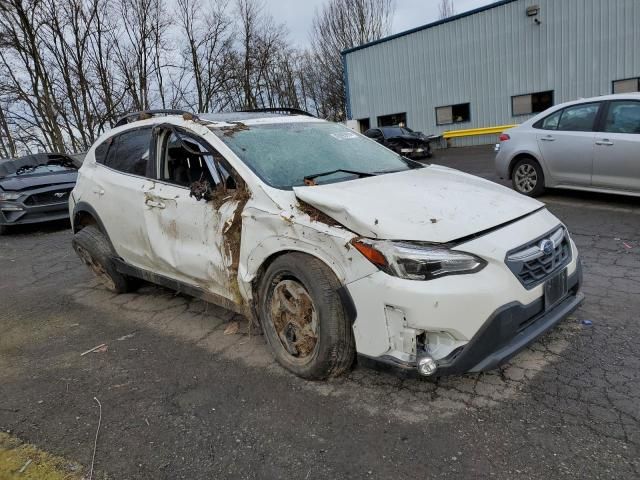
<point>402,140</point>
<point>35,188</point>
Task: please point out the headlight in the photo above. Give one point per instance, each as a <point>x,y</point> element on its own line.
<point>9,195</point>
<point>417,261</point>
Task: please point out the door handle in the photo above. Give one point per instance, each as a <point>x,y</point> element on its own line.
<point>548,138</point>
<point>99,192</point>
<point>604,141</point>
<point>153,204</point>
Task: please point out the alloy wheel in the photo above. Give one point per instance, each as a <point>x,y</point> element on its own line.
<point>526,178</point>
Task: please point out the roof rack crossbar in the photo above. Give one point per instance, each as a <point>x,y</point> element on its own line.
<point>150,113</point>
<point>290,111</point>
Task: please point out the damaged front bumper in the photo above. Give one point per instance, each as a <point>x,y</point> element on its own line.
<point>505,333</point>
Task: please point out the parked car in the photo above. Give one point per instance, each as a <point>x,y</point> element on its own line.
<point>335,244</point>
<point>402,140</point>
<point>35,188</point>
<point>591,144</point>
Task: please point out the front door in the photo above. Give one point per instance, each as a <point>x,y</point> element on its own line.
<point>566,144</point>
<point>186,234</point>
<point>617,148</point>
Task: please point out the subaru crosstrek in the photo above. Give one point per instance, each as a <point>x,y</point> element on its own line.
<point>336,245</point>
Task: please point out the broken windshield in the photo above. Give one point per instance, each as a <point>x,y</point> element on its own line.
<point>283,154</point>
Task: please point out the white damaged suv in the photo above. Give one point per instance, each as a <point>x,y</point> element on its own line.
<point>335,244</point>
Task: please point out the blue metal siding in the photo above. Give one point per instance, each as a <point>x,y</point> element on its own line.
<point>486,58</point>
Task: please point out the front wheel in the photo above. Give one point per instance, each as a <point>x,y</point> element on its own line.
<point>528,178</point>
<point>303,317</point>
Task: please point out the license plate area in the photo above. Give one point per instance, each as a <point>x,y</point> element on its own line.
<point>555,289</point>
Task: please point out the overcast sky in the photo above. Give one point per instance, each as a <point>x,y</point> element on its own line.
<point>298,14</point>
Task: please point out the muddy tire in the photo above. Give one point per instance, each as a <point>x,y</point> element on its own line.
<point>527,177</point>
<point>303,317</point>
<point>94,250</point>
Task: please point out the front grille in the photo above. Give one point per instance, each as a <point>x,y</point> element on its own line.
<point>47,198</point>
<point>536,261</point>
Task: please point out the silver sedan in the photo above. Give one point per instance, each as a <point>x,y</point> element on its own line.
<point>591,144</point>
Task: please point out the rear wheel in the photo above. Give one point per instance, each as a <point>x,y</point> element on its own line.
<point>94,250</point>
<point>527,177</point>
<point>303,317</point>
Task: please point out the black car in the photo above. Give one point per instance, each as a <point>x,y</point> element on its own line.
<point>402,140</point>
<point>35,188</point>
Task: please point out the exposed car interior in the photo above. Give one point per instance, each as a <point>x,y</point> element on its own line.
<point>183,165</point>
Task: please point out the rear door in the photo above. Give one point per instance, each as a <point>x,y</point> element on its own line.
<point>566,143</point>
<point>617,147</point>
<point>186,234</point>
<point>117,192</point>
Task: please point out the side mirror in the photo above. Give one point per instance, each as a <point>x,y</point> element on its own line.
<point>201,190</point>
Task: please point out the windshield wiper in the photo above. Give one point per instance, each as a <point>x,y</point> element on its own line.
<point>311,178</point>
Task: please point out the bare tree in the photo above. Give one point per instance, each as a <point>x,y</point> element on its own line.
<point>446,8</point>
<point>208,53</point>
<point>69,68</point>
<point>139,54</point>
<point>262,43</point>
<point>339,25</point>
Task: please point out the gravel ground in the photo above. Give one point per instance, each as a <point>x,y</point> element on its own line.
<point>183,400</point>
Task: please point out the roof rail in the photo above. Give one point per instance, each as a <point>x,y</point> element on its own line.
<point>146,114</point>
<point>284,110</point>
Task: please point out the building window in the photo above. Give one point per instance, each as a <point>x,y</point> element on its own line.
<point>393,120</point>
<point>453,114</point>
<point>531,103</point>
<point>364,124</point>
<point>626,86</point>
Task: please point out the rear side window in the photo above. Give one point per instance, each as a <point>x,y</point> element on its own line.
<point>579,118</point>
<point>623,117</point>
<point>550,122</point>
<point>102,150</point>
<point>129,152</point>
<point>373,133</point>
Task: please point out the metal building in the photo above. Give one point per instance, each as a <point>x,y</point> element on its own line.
<point>495,66</point>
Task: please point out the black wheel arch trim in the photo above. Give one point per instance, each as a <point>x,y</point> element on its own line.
<point>84,207</point>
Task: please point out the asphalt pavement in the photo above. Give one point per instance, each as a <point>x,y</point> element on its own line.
<point>183,397</point>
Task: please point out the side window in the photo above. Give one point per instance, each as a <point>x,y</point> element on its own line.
<point>623,117</point>
<point>102,149</point>
<point>183,164</point>
<point>129,152</point>
<point>374,133</point>
<point>579,118</point>
<point>550,122</point>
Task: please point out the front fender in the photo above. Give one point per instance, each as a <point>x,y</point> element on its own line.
<point>265,235</point>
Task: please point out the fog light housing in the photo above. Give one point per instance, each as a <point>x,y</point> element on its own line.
<point>427,366</point>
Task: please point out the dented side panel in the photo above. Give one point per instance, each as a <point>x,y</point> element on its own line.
<point>269,232</point>
<point>186,237</point>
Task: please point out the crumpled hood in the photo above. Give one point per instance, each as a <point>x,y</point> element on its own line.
<point>432,204</point>
<point>17,183</point>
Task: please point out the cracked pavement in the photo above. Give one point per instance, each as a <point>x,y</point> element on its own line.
<point>183,400</point>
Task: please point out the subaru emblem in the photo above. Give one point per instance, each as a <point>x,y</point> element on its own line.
<point>546,246</point>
